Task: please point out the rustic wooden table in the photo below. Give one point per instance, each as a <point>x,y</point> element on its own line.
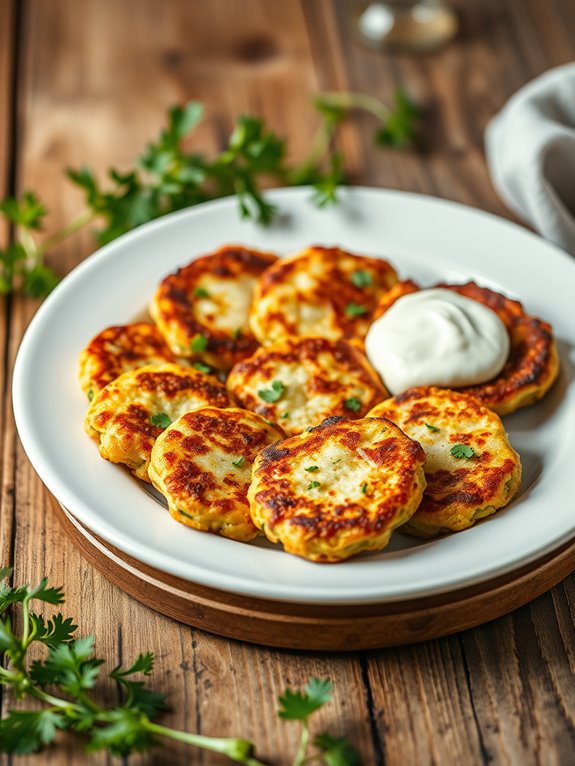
<point>90,81</point>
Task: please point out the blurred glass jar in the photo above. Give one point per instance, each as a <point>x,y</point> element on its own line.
<point>406,25</point>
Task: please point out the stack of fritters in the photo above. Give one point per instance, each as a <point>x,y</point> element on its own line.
<point>288,334</point>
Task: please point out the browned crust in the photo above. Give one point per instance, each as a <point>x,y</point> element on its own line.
<point>175,297</point>
<point>335,289</point>
<point>533,362</point>
<point>296,351</point>
<point>118,349</point>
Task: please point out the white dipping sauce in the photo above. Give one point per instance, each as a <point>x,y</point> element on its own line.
<point>437,337</point>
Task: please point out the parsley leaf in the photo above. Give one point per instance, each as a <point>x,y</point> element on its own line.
<point>336,751</point>
<point>431,428</point>
<point>198,343</point>
<point>200,292</point>
<point>353,403</point>
<point>239,462</point>
<point>272,394</point>
<point>297,706</point>
<point>364,488</point>
<point>314,485</point>
<point>24,731</point>
<point>400,126</point>
<point>312,468</point>
<point>462,451</point>
<point>355,310</point>
<point>361,278</point>
<point>202,367</point>
<point>160,420</point>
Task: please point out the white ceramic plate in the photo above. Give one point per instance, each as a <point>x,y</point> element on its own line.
<point>425,238</point>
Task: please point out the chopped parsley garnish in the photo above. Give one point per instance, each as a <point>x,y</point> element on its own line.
<point>431,428</point>
<point>312,468</point>
<point>199,343</point>
<point>160,420</point>
<point>462,450</point>
<point>355,310</point>
<point>237,333</point>
<point>335,462</point>
<point>285,416</point>
<point>361,278</point>
<point>200,292</point>
<point>272,394</point>
<point>364,487</point>
<point>313,485</point>
<point>90,394</point>
<point>202,367</point>
<point>239,462</point>
<point>353,403</point>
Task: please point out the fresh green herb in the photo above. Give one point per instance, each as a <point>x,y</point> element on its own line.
<point>239,462</point>
<point>285,416</point>
<point>160,420</point>
<point>200,292</point>
<point>353,403</point>
<point>300,706</point>
<point>364,488</point>
<point>462,450</point>
<point>198,343</point>
<point>355,310</point>
<point>314,485</point>
<point>165,177</point>
<point>272,394</point>
<point>312,468</point>
<point>62,679</point>
<point>201,367</point>
<point>90,394</point>
<point>237,333</point>
<point>335,462</point>
<point>431,428</point>
<point>361,278</point>
<point>400,127</point>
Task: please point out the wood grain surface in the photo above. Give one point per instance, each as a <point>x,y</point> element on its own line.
<point>89,82</point>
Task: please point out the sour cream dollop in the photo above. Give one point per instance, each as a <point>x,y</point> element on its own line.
<point>437,337</point>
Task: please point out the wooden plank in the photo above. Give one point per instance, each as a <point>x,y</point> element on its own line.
<point>92,93</point>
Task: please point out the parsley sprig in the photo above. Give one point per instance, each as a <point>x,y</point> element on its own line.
<point>63,680</point>
<point>166,177</point>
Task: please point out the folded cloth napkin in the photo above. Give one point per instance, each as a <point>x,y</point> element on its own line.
<point>530,146</point>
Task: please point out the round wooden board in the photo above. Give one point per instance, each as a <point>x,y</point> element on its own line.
<point>311,626</point>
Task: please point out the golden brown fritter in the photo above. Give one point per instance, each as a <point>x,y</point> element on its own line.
<point>470,468</point>
<point>202,465</point>
<point>202,309</point>
<point>299,382</point>
<point>337,490</point>
<point>119,349</point>
<point>128,415</point>
<point>533,363</point>
<point>321,291</point>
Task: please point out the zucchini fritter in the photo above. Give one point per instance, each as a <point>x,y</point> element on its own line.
<point>202,309</point>
<point>127,416</point>
<point>299,382</point>
<point>470,468</point>
<point>337,490</point>
<point>533,363</point>
<point>320,291</point>
<point>202,465</point>
<point>119,349</point>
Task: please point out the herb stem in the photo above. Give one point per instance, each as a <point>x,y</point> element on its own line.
<point>352,100</point>
<point>319,146</point>
<point>77,223</point>
<point>238,750</point>
<point>300,756</point>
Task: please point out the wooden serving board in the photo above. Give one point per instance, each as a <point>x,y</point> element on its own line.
<point>311,626</point>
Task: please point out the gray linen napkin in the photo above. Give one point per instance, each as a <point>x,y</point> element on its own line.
<point>530,147</point>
